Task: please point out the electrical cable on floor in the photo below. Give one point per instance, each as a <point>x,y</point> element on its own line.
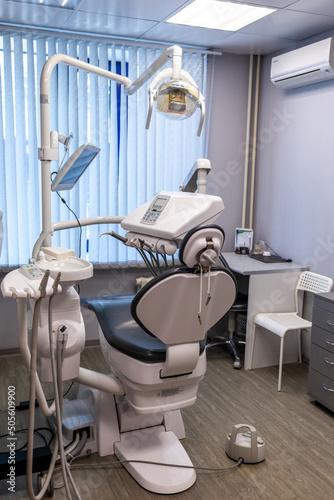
<point>37,432</point>
<point>111,465</point>
<point>121,462</point>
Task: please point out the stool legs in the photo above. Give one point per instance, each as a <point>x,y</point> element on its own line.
<point>252,347</point>
<point>280,364</point>
<point>299,338</point>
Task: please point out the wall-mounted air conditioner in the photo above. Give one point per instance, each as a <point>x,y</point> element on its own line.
<point>311,64</point>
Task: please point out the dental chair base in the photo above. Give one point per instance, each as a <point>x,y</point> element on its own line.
<point>164,394</point>
<point>159,446</point>
<point>114,428</point>
<point>160,360</point>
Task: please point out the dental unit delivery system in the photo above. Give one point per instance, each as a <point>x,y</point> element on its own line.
<point>170,360</point>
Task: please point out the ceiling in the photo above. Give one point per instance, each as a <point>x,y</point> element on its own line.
<point>144,20</point>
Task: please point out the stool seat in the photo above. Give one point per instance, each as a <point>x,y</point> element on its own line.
<point>240,303</point>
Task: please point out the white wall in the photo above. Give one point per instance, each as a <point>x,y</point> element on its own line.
<point>227,139</point>
<point>294,206</point>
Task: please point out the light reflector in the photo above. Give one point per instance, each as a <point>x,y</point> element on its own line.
<point>177,99</point>
<point>216,14</point>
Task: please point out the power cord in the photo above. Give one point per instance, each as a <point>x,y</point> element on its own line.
<point>37,432</point>
<point>24,405</point>
<point>122,462</point>
<point>72,212</point>
<point>112,465</point>
<point>275,253</point>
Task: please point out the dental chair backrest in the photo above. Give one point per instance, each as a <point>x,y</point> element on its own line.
<point>154,342</point>
<point>180,306</point>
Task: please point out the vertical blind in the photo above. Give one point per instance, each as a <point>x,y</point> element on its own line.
<point>133,163</point>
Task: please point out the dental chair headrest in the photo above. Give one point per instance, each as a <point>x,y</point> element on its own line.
<point>202,246</point>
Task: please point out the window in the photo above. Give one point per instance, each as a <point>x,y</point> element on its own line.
<point>133,163</point>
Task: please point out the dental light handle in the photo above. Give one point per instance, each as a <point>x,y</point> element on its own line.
<point>150,109</point>
<point>201,120</point>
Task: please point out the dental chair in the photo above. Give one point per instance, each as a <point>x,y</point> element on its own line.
<point>154,343</point>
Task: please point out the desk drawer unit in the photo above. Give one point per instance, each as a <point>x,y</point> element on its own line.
<point>321,368</point>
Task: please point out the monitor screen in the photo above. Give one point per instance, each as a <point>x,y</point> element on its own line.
<point>74,167</point>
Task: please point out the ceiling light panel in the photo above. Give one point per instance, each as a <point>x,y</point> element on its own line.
<point>216,14</point>
<point>68,4</point>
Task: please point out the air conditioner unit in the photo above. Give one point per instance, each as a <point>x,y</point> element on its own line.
<point>311,64</point>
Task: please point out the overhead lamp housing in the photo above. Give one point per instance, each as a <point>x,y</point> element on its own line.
<point>177,99</point>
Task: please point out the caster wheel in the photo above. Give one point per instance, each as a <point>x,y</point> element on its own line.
<point>237,365</point>
<point>41,477</point>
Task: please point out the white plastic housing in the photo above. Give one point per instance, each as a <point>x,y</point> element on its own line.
<point>310,64</point>
<point>72,269</point>
<point>65,311</point>
<point>146,392</point>
<point>182,212</point>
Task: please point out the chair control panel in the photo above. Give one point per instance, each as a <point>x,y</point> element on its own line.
<point>155,209</point>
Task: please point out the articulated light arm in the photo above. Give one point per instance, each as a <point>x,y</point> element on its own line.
<point>45,87</point>
<point>173,52</point>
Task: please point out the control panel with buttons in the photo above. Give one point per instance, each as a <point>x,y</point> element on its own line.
<point>155,209</point>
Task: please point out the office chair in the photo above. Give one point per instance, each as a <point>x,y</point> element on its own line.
<point>231,339</point>
<point>282,322</point>
<point>240,305</point>
<point>154,343</point>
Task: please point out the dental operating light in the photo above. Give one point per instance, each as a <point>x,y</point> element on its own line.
<point>177,97</point>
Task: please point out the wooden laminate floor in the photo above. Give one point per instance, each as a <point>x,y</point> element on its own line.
<point>298,434</point>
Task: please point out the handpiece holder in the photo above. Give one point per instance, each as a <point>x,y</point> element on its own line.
<point>25,282</point>
<point>248,446</point>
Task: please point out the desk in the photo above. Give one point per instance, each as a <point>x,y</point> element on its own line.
<point>270,288</point>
